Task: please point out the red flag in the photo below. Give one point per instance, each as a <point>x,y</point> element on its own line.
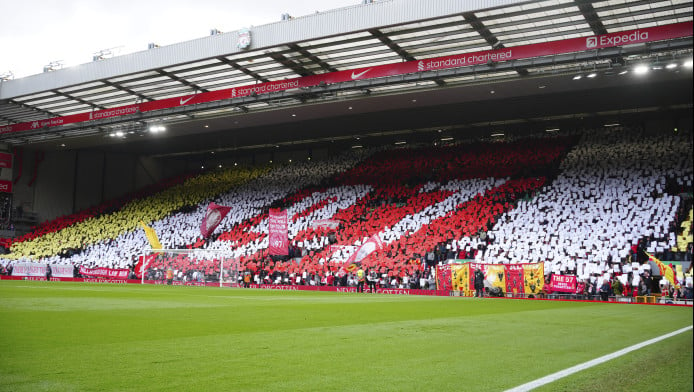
<point>371,245</point>
<point>278,232</point>
<point>146,260</point>
<point>214,215</point>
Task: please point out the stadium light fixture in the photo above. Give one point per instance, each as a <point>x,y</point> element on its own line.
<point>641,69</point>
<point>157,129</point>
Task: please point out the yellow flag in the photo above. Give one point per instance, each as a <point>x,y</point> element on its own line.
<point>533,278</point>
<point>496,275</point>
<point>665,270</point>
<point>151,236</point>
<point>460,277</point>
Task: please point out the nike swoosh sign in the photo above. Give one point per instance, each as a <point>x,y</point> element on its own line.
<point>360,74</point>
<point>185,101</point>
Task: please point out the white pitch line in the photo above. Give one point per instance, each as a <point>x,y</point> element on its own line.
<point>597,361</point>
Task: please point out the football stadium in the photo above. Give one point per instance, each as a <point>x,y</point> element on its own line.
<point>397,195</point>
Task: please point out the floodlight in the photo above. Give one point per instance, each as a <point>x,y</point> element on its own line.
<point>641,69</point>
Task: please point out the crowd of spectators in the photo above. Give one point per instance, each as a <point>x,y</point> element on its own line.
<point>587,207</point>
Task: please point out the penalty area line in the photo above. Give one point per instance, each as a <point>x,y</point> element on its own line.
<point>597,361</point>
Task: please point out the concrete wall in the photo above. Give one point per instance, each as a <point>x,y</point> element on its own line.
<point>89,179</point>
<point>71,181</point>
<point>54,188</point>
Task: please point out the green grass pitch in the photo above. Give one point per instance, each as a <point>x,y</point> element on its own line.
<point>100,337</point>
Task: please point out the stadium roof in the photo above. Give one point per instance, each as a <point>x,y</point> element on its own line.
<point>387,34</point>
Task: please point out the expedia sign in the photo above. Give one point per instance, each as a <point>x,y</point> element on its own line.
<point>616,40</point>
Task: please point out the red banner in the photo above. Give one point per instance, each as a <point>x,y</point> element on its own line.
<point>5,186</point>
<point>649,34</point>
<point>341,289</point>
<point>443,277</point>
<point>109,273</point>
<point>563,283</point>
<point>213,217</point>
<point>278,232</point>
<point>510,278</point>
<point>514,279</point>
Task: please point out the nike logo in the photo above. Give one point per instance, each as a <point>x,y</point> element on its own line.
<point>185,101</point>
<point>360,74</point>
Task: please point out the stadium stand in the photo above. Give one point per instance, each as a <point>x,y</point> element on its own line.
<point>492,206</point>
<point>587,201</point>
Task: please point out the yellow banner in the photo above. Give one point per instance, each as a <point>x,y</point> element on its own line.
<point>460,277</point>
<point>495,274</point>
<point>665,270</point>
<point>151,236</point>
<point>534,278</point>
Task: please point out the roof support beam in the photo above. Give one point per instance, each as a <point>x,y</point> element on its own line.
<point>29,107</point>
<point>181,80</point>
<point>127,90</point>
<point>326,67</point>
<point>397,49</point>
<point>245,70</point>
<point>591,17</point>
<point>392,45</point>
<point>488,36</point>
<point>80,100</point>
<point>595,23</point>
<point>291,64</point>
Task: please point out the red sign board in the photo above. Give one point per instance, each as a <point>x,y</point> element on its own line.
<point>5,186</point>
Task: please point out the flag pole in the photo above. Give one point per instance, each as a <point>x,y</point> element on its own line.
<point>142,268</point>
